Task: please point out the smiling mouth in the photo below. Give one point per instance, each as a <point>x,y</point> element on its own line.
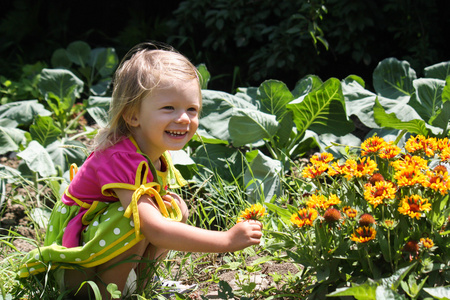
<point>176,133</point>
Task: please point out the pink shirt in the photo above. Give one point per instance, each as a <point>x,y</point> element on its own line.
<point>120,166</point>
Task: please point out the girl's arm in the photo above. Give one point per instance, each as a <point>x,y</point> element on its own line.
<point>179,236</point>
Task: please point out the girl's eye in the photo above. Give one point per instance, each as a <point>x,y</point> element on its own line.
<point>192,109</point>
<point>168,107</point>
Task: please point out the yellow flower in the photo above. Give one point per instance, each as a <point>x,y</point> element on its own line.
<point>350,212</point>
<point>389,151</point>
<point>420,144</point>
<point>366,166</point>
<point>427,243</point>
<point>304,217</point>
<point>413,206</point>
<point>409,177</point>
<point>363,234</point>
<point>379,191</point>
<point>315,170</point>
<point>254,212</point>
<point>324,157</point>
<point>372,145</point>
<point>322,202</point>
<point>438,180</point>
<point>336,169</point>
<point>410,161</point>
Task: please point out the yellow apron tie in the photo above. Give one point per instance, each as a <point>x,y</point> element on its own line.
<point>173,213</point>
<point>73,171</point>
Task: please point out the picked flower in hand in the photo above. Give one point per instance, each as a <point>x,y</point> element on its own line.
<point>254,212</point>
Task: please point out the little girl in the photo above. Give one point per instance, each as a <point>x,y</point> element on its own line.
<point>119,206</point>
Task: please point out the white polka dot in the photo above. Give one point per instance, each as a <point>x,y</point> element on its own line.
<point>86,229</point>
<point>125,244</point>
<point>116,231</point>
<point>102,243</point>
<point>36,257</point>
<point>63,210</point>
<point>95,224</point>
<point>92,254</point>
<point>131,223</point>
<point>107,219</point>
<point>77,259</point>
<point>172,181</point>
<point>59,209</point>
<point>105,213</point>
<point>32,269</point>
<point>121,209</point>
<point>62,256</point>
<point>50,228</point>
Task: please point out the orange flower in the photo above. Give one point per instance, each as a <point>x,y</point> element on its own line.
<point>438,180</point>
<point>381,190</point>
<point>420,144</point>
<point>366,220</point>
<point>365,167</point>
<point>322,202</point>
<point>409,177</point>
<point>350,212</point>
<point>304,217</point>
<point>324,157</point>
<point>332,215</point>
<point>412,248</point>
<point>336,169</point>
<point>409,161</point>
<point>363,234</point>
<point>413,206</point>
<point>389,151</point>
<point>254,212</point>
<point>427,243</point>
<point>315,170</point>
<point>372,145</point>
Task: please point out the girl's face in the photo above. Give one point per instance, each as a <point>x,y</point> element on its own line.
<point>167,119</point>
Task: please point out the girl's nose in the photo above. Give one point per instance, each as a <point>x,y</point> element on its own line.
<point>183,118</point>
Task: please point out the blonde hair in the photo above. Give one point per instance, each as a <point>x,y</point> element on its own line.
<point>144,68</point>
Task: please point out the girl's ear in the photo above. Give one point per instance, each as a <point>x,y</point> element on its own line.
<point>131,119</point>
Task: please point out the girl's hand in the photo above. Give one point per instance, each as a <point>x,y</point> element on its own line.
<point>244,234</point>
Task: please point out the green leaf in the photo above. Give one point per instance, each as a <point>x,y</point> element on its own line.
<point>11,139</point>
<point>205,76</point>
<point>113,291</point>
<point>247,126</point>
<point>393,78</point>
<point>65,152</point>
<point>366,291</point>
<point>23,112</point>
<point>427,100</point>
<point>322,111</point>
<point>104,60</point>
<point>94,287</point>
<point>38,160</point>
<point>98,108</point>
<point>40,216</point>
<point>438,71</point>
<point>60,59</point>
<point>391,121</point>
<point>306,85</point>
<point>262,179</point>
<point>60,88</point>
<point>442,292</point>
<point>44,131</point>
<point>217,110</point>
<point>79,52</point>
<point>274,95</point>
<point>226,161</point>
